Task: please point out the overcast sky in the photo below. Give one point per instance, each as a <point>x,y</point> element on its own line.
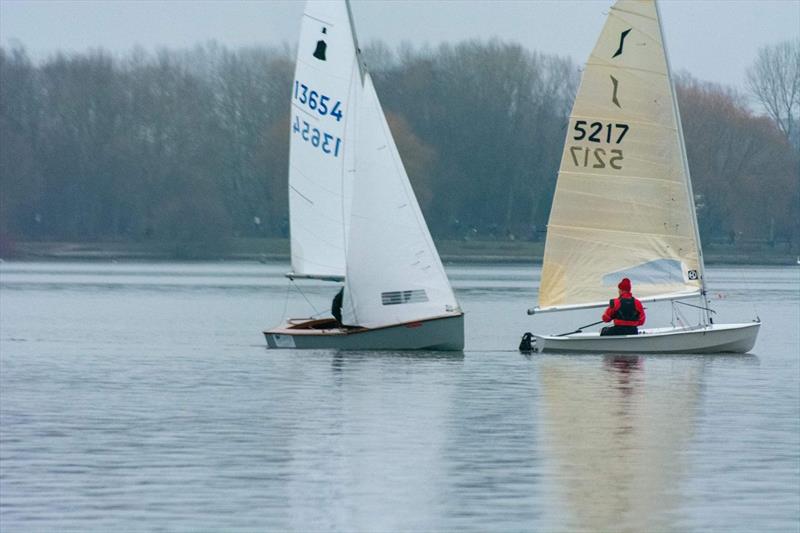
<point>714,40</point>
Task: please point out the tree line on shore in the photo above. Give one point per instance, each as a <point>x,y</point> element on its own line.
<point>191,146</point>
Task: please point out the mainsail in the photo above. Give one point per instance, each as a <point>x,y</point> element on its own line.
<point>394,273</point>
<point>327,78</point>
<point>623,205</point>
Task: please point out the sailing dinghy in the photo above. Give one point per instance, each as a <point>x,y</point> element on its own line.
<point>353,214</point>
<point>623,205</point>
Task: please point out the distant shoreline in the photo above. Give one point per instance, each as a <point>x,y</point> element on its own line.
<point>277,250</point>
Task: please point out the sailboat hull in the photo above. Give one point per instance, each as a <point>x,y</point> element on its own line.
<point>445,333</point>
<point>716,338</point>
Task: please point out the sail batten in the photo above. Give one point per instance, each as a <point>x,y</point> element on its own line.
<point>621,206</point>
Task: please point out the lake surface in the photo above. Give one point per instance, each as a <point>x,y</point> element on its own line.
<point>138,397</point>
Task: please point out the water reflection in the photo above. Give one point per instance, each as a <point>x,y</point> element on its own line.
<point>370,442</point>
<point>115,416</point>
<point>341,357</point>
<point>615,436</point>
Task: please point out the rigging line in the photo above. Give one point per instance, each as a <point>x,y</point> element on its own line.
<point>685,321</point>
<point>304,297</point>
<point>748,286</point>
<point>707,310</point>
<point>678,316</point>
<point>695,306</point>
<point>286,300</point>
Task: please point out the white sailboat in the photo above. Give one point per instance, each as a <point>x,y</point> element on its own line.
<point>623,205</point>
<point>353,214</point>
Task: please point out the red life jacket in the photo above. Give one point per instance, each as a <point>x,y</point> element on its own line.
<point>625,312</point>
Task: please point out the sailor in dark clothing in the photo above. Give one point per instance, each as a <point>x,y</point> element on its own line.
<point>626,312</point>
<point>336,306</point>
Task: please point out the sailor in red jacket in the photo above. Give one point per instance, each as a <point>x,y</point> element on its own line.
<point>626,311</point>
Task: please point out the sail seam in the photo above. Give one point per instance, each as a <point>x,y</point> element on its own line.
<point>317,69</point>
<point>606,230</point>
<point>623,68</point>
<point>621,176</point>
<point>615,8</point>
<point>304,111</point>
<point>627,120</point>
<point>316,184</point>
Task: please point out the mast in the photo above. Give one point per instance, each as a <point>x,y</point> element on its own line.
<point>688,181</point>
<point>359,59</point>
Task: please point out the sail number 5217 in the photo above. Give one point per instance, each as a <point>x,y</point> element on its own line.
<point>595,157</point>
<point>598,132</point>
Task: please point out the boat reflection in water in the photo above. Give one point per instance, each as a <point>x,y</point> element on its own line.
<point>615,438</point>
<point>370,443</point>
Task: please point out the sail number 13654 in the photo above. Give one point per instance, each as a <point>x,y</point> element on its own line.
<point>317,101</point>
<point>318,139</point>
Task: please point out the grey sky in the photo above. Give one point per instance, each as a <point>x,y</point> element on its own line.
<point>715,40</point>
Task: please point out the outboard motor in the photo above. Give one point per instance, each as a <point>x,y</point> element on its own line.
<point>527,343</point>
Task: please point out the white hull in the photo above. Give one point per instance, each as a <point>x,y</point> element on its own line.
<point>445,333</point>
<point>716,338</point>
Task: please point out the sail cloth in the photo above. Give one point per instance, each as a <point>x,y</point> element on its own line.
<point>326,80</point>
<point>394,273</point>
<point>622,206</point>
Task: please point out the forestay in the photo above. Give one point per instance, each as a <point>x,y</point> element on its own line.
<point>622,205</point>
<point>320,157</point>
<point>394,273</point>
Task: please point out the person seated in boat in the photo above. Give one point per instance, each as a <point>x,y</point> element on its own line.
<point>626,312</point>
<point>336,306</point>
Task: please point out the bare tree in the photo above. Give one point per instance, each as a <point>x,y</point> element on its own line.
<point>190,147</point>
<point>774,79</point>
<point>740,164</point>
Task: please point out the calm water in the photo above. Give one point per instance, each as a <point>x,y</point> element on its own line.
<point>141,397</point>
